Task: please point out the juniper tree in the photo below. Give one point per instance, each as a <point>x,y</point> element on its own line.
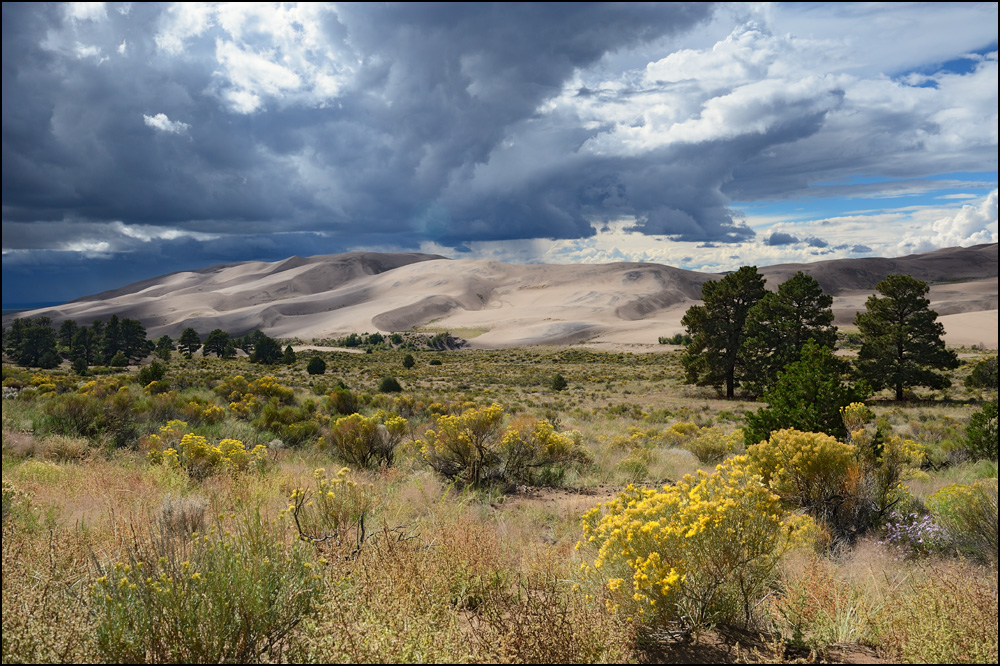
<point>807,396</point>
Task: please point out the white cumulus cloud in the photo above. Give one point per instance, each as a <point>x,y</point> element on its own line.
<point>162,123</point>
<point>971,225</point>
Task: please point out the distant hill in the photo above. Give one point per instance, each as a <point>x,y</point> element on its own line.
<point>498,304</point>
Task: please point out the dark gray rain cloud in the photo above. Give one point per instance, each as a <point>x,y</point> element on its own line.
<point>142,138</point>
<point>102,124</point>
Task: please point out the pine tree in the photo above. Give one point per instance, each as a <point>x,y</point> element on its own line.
<point>902,338</point>
<point>717,329</point>
<point>189,342</point>
<point>779,326</point>
<point>216,343</point>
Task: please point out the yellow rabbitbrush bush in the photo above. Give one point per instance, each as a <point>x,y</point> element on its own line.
<point>712,444</point>
<point>805,468</point>
<point>247,398</point>
<point>473,449</point>
<point>968,516</point>
<point>367,441</point>
<point>702,551</point>
<point>331,509</point>
<point>201,458</point>
<point>849,488</point>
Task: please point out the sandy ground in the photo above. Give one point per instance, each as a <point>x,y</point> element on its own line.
<point>496,305</point>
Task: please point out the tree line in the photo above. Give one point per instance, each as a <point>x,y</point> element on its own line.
<point>121,342</point>
<point>744,336</point>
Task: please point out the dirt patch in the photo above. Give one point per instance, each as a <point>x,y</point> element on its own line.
<point>734,646</point>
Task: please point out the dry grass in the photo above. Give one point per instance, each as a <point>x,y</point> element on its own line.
<point>460,576</point>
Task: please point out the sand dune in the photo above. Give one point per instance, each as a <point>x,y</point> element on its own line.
<point>509,305</point>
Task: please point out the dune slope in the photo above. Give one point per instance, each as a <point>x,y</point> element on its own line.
<point>500,305</point>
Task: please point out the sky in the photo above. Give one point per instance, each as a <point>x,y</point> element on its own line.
<point>143,139</point>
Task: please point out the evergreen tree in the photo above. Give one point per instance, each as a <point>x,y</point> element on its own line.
<point>97,327</point>
<point>13,336</point>
<point>112,342</point>
<point>982,432</point>
<point>85,344</point>
<point>164,345</point>
<point>216,343</point>
<point>67,331</point>
<point>133,339</point>
<point>32,343</point>
<point>779,326</point>
<point>902,344</point>
<point>288,358</point>
<point>807,396</point>
<point>189,342</point>
<point>717,329</point>
<point>266,350</point>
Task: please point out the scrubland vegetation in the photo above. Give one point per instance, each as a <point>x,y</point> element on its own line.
<point>230,511</point>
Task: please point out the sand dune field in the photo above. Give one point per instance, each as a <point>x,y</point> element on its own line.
<point>504,305</point>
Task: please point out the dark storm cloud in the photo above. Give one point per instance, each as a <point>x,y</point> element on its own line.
<point>437,88</point>
<point>194,132</point>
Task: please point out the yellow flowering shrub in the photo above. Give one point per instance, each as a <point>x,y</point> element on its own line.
<point>679,432</point>
<point>200,457</point>
<point>533,452</point>
<point>805,468</point>
<point>701,551</point>
<point>856,416</point>
<point>472,448</point>
<point>712,444</point>
<point>367,441</point>
<point>330,509</point>
<point>464,448</point>
<point>247,398</point>
<point>102,387</point>
<point>968,515</point>
<point>850,488</point>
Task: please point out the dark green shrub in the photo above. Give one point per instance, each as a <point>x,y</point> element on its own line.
<point>389,385</point>
<point>342,401</point>
<point>982,432</point>
<point>294,425</point>
<point>111,419</point>
<point>559,383</point>
<point>119,360</point>
<point>316,366</point>
<point>408,361</point>
<point>984,374</point>
<point>153,372</point>
<point>435,361</point>
<point>80,366</point>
